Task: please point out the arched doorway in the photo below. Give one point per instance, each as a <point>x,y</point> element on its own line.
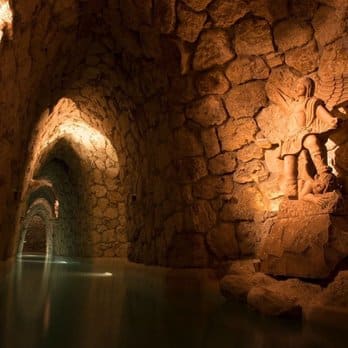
<point>37,229</point>
<point>35,237</point>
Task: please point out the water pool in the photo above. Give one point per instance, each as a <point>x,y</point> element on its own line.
<point>112,303</point>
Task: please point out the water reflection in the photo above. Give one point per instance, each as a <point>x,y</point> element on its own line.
<point>73,303</point>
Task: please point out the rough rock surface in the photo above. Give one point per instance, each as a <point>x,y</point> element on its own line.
<point>225,13</point>
<point>253,171</point>
<point>246,100</point>
<point>247,68</point>
<point>292,33</point>
<point>304,59</point>
<point>269,302</point>
<point>253,36</point>
<point>224,163</point>
<point>267,295</point>
<point>190,23</point>
<point>309,244</point>
<point>330,307</point>
<point>207,112</point>
<point>197,5</point>
<point>212,82</point>
<point>213,49</point>
<point>169,87</point>
<point>325,32</point>
<point>222,241</point>
<point>234,134</point>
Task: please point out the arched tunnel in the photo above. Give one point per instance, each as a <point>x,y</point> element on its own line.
<point>154,133</point>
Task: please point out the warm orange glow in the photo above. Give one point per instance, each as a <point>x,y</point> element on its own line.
<point>83,134</point>
<point>5,17</point>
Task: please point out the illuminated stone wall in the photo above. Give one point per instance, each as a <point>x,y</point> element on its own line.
<point>181,90</point>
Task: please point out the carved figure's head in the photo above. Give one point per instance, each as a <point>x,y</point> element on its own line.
<point>304,87</point>
<point>324,182</point>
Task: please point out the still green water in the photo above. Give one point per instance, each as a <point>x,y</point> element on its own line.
<point>80,303</point>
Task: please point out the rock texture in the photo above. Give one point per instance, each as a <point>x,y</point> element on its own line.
<point>173,98</point>
<point>330,307</point>
<point>289,298</point>
<point>304,240</point>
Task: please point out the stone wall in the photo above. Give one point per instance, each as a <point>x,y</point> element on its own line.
<point>181,90</point>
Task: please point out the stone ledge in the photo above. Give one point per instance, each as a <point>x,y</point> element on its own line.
<point>305,240</point>
<point>334,204</point>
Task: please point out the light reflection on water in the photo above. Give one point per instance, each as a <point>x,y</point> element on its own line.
<point>76,303</point>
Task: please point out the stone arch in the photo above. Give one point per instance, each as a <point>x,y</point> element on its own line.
<point>41,188</point>
<point>89,165</point>
<point>35,236</point>
<point>42,208</point>
<point>56,172</point>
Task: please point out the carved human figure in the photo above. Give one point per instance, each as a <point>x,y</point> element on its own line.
<point>308,117</point>
<point>312,189</point>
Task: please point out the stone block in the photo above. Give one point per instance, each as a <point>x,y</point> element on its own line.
<point>207,111</point>
<point>234,134</point>
<point>329,24</point>
<point>222,241</point>
<point>236,286</point>
<point>224,163</point>
<point>190,23</point>
<point>187,143</point>
<point>272,303</point>
<point>210,142</point>
<point>330,307</point>
<point>212,82</point>
<point>225,12</point>
<point>253,171</point>
<point>203,216</point>
<point>246,201</point>
<point>197,5</point>
<point>246,100</point>
<point>213,49</point>
<point>334,59</point>
<point>271,10</point>
<point>212,186</point>
<point>247,68</point>
<point>304,59</point>
<point>189,169</point>
<point>253,37</point>
<point>165,15</point>
<point>305,240</point>
<point>249,152</point>
<point>248,236</point>
<point>303,9</point>
<point>292,33</point>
